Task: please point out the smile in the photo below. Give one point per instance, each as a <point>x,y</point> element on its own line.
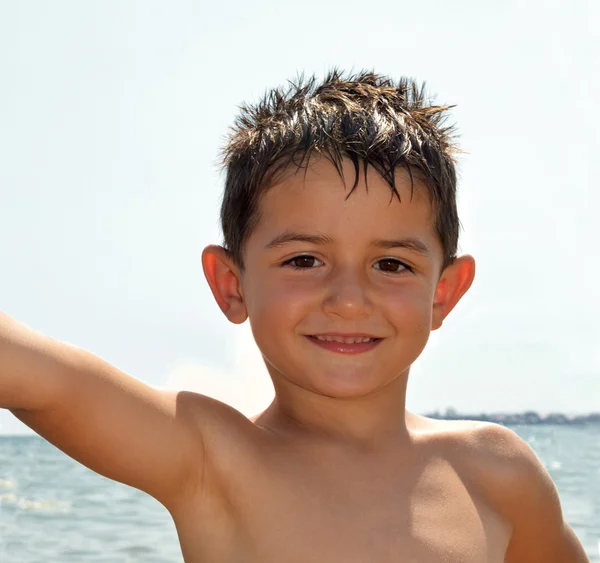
<point>347,340</point>
<point>345,345</point>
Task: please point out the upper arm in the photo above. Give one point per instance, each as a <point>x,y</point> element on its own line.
<point>122,428</point>
<point>524,493</point>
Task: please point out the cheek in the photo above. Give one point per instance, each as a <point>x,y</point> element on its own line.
<point>276,304</point>
<point>410,311</point>
<point>285,294</point>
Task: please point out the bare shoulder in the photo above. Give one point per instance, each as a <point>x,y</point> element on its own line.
<point>487,454</point>
<point>491,450</point>
<point>500,451</point>
<point>230,439</point>
<point>504,470</point>
<point>220,423</point>
<point>497,461</point>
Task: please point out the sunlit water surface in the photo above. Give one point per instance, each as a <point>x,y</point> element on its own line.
<point>54,510</point>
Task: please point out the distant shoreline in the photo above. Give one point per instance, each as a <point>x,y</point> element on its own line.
<point>525,418</point>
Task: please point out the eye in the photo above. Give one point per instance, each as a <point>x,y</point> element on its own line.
<point>396,266</point>
<point>304,259</point>
<point>307,262</point>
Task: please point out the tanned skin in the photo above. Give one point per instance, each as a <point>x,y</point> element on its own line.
<point>335,469</point>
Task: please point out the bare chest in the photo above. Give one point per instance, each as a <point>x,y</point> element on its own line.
<point>323,515</point>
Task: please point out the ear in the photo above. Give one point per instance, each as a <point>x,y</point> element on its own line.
<point>454,282</point>
<point>223,277</point>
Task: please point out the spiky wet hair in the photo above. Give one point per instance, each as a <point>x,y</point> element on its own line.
<point>365,117</point>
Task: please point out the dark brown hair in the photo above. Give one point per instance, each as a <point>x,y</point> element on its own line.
<point>364,117</point>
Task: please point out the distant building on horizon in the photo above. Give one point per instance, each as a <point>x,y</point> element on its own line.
<point>527,417</point>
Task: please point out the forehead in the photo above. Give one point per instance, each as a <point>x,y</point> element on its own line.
<point>315,198</point>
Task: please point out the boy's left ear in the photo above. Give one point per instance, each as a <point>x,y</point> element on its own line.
<point>454,282</point>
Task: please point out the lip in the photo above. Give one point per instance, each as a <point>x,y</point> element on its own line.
<point>343,348</point>
<point>345,335</point>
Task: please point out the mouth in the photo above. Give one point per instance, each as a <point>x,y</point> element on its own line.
<point>348,345</point>
<point>343,340</point>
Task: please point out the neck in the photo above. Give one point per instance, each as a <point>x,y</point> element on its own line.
<point>371,421</point>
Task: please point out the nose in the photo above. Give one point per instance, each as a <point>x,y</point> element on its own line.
<point>347,294</point>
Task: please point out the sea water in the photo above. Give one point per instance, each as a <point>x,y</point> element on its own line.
<point>54,510</point>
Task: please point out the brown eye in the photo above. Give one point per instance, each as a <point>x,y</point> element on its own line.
<point>304,262</point>
<point>392,266</point>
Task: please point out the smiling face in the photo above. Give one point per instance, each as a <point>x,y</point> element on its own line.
<point>317,263</point>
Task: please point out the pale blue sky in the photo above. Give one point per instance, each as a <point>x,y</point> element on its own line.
<point>112,115</point>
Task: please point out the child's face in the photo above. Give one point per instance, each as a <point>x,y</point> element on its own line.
<point>346,285</point>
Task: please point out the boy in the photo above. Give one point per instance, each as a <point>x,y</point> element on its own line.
<point>340,228</point>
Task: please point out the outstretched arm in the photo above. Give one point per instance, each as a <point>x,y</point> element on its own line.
<point>105,419</point>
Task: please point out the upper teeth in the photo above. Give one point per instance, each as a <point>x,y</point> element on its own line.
<point>353,340</point>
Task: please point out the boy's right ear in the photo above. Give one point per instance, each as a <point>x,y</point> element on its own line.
<point>224,279</point>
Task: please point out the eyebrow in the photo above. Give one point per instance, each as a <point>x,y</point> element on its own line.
<point>411,244</point>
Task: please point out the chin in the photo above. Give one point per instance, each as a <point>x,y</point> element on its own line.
<point>344,386</point>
